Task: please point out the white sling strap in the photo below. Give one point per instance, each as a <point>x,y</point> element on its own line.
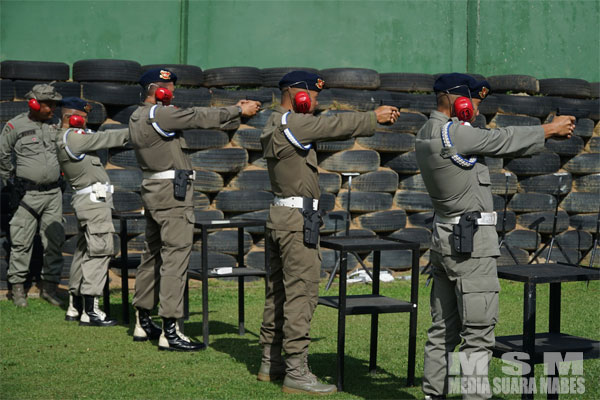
<point>456,158</point>
<point>157,128</point>
<point>69,152</point>
<point>290,136</point>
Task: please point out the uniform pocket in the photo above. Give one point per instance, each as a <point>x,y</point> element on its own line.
<point>99,238</point>
<point>480,300</point>
<point>483,176</point>
<point>30,146</point>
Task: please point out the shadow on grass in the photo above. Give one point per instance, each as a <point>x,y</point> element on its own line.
<point>357,379</point>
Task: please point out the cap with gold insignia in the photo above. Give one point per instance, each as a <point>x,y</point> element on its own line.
<point>462,84</point>
<point>302,79</point>
<point>75,103</point>
<point>156,75</point>
<point>42,92</point>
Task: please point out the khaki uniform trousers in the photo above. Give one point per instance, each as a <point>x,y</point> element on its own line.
<point>95,246</point>
<point>292,292</point>
<point>161,276</point>
<point>23,227</point>
<point>464,306</point>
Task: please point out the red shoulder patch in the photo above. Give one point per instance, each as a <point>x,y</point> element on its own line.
<point>11,126</point>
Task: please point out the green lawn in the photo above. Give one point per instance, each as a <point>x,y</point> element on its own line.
<point>44,357</point>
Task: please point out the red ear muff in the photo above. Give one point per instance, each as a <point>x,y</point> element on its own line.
<point>463,108</point>
<point>302,102</point>
<point>34,105</point>
<point>163,95</point>
<point>76,121</point>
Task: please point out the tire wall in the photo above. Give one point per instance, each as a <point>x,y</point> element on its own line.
<point>388,36</point>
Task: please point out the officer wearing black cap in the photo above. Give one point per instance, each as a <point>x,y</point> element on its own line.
<point>92,202</point>
<point>36,194</point>
<point>155,133</point>
<point>288,143</point>
<point>464,296</point>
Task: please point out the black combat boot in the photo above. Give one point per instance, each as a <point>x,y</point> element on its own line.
<point>173,340</point>
<point>90,317</point>
<point>145,328</point>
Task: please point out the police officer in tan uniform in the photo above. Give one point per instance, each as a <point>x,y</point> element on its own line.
<point>288,142</point>
<point>155,132</point>
<point>92,202</point>
<point>31,137</point>
<point>464,296</point>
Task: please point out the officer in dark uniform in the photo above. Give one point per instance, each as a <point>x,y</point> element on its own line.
<point>288,142</point>
<point>92,202</point>
<point>464,296</point>
<point>35,184</point>
<point>155,133</point>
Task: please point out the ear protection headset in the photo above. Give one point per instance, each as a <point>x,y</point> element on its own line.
<point>463,106</point>
<point>76,121</point>
<point>301,100</point>
<point>34,105</point>
<point>163,95</point>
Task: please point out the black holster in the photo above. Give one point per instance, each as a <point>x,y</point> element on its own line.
<point>312,223</point>
<point>182,176</point>
<point>463,232</point>
<point>16,192</point>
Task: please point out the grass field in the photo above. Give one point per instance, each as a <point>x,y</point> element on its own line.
<point>44,357</point>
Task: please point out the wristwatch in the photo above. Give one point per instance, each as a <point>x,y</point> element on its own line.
<point>240,110</point>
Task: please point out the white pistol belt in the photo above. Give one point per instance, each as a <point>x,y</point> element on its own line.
<point>295,202</point>
<point>487,218</point>
<point>170,174</point>
<point>97,187</point>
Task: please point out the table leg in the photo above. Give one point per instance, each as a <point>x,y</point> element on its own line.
<point>554,309</point>
<point>342,321</point>
<point>205,285</point>
<point>529,304</point>
<point>124,270</point>
<point>375,316</point>
<point>412,335</point>
<point>106,298</point>
<point>240,260</point>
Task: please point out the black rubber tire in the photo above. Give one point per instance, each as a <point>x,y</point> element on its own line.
<point>208,181</point>
<point>498,202</point>
<point>248,139</point>
<point>7,90</point>
<point>232,76</point>
<point>35,70</point>
<point>207,215</point>
<point>125,179</point>
<point>538,164</point>
<point>505,258</point>
<point>10,109</point>
<point>243,200</point>
<point>215,260</point>
<point>330,182</point>
<point>350,161</point>
<point>593,145</point>
<point>419,235</point>
<point>255,260</point>
<point>96,116</point>
<point>327,201</point>
<point>260,119</point>
<point>350,78</point>
<point>395,260</point>
<point>531,202</point>
<point>514,83</point>
<point>523,239</point>
<point>500,186</point>
<point>70,225</point>
<point>111,93</point>
<point>66,202</point>
<point>135,226</point>
<point>382,221</point>
<point>408,122</point>
<point>228,97</point>
<point>494,164</point>
<point>587,183</point>
<point>197,97</point>
<point>585,222</point>
<point>422,103</point>
<point>594,90</point>
<point>528,105</point>
<point>412,182</point>
<point>509,224</point>
<point>581,202</point>
<point>383,180</point>
<point>565,147</point>
<point>388,142</point>
<point>187,75</point>
<point>550,184</point>
<point>260,215</point>
<point>225,241</point>
<point>330,257</point>
<point>406,82</point>
<point>123,158</point>
<point>490,106</point>
<point>558,257</point>
<point>200,200</point>
<point>544,220</point>
<point>504,120</point>
<point>334,145</point>
<point>120,113</point>
<point>578,240</point>
<point>363,202</point>
<point>403,164</point>
<point>583,164</point>
<point>127,201</point>
<point>272,76</point>
<point>413,201</point>
<point>421,219</point>
<point>334,221</point>
<point>579,108</point>
<point>202,139</point>
<point>106,70</point>
<point>226,160</point>
<point>251,179</point>
<point>566,87</point>
<point>256,160</point>
<point>353,99</point>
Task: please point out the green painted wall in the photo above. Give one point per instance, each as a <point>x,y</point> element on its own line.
<point>543,38</point>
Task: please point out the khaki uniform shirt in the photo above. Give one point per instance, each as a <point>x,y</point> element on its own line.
<point>34,144</point>
<point>156,153</point>
<point>89,170</point>
<point>293,171</point>
<point>455,190</point>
